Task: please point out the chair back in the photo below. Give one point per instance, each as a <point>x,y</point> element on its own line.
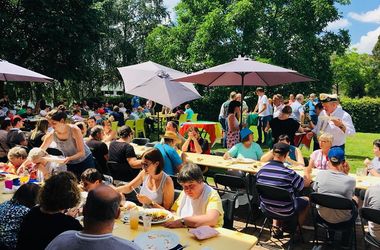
<point>139,127</point>
<point>114,126</point>
<point>194,118</point>
<point>175,182</point>
<point>130,123</point>
<point>141,141</point>
<point>370,214</point>
<point>274,193</point>
<point>234,182</point>
<point>121,172</point>
<point>228,208</point>
<point>182,118</point>
<point>332,201</point>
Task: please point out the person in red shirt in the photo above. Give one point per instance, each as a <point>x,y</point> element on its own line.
<point>195,143</point>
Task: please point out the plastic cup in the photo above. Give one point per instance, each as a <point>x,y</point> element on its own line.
<point>147,221</point>
<point>361,172</point>
<point>24,179</point>
<point>134,219</point>
<point>8,184</point>
<point>16,182</point>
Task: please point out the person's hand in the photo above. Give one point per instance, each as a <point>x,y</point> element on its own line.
<point>173,224</point>
<point>73,212</point>
<point>66,160</point>
<point>307,180</point>
<point>266,129</point>
<point>367,162</point>
<point>143,199</point>
<point>309,135</point>
<point>337,122</point>
<point>184,157</point>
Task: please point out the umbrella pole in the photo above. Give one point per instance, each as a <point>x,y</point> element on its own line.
<point>242,74</point>
<point>158,127</point>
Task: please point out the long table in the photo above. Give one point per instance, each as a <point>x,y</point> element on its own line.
<point>214,161</point>
<point>227,239</point>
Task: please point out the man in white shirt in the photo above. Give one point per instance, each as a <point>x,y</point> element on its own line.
<point>278,105</point>
<point>333,120</point>
<point>297,109</point>
<point>264,114</point>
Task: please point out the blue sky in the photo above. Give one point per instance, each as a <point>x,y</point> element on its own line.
<point>361,18</point>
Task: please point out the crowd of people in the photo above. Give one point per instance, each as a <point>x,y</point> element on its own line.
<point>70,153</point>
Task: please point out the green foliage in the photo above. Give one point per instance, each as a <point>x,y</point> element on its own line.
<point>365,113</point>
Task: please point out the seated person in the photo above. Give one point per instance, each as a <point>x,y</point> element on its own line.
<point>47,220</point>
<point>275,173</point>
<point>372,200</point>
<point>198,204</point>
<point>13,211</point>
<point>319,159</point>
<point>373,167</point>
<point>118,116</point>
<point>91,179</point>
<point>83,128</point>
<point>91,122</point>
<point>122,152</point>
<point>98,148</point>
<point>16,156</point>
<point>100,212</point>
<point>195,143</point>
<point>247,148</point>
<point>172,161</point>
<point>173,127</point>
<point>335,180</point>
<point>108,134</point>
<point>157,190</point>
<point>294,157</point>
<point>15,136</point>
<point>77,116</point>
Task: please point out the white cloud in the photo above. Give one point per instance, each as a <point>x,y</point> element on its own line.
<point>372,16</point>
<point>337,24</point>
<point>367,42</point>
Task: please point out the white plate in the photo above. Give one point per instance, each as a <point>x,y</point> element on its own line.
<point>157,239</point>
<point>168,215</point>
<point>128,205</point>
<point>245,160</point>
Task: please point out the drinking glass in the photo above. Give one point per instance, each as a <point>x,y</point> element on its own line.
<point>134,219</point>
<point>147,221</point>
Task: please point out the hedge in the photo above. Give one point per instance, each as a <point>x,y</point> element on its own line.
<point>365,113</point>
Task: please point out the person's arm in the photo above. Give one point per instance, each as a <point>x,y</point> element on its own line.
<point>185,146</point>
<point>267,127</point>
<point>264,108</point>
<point>226,155</point>
<point>255,109</point>
<point>134,163</point>
<point>197,146</point>
<point>231,124</point>
<point>136,182</point>
<point>77,135</point>
<point>47,141</point>
<point>307,172</point>
<point>268,156</point>
<point>168,195</point>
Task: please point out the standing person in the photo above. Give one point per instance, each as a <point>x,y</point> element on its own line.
<point>333,120</point>
<point>101,210</point>
<point>245,106</point>
<point>173,162</point>
<point>37,136</point>
<point>189,112</point>
<point>373,167</point>
<point>13,211</point>
<point>223,116</point>
<point>135,102</point>
<point>298,113</point>
<point>47,220</point>
<point>278,105</point>
<point>15,136</point>
<point>264,115</point>
<point>99,149</point>
<point>233,124</point>
<point>4,148</point>
<point>310,105</point>
<point>318,109</point>
<point>69,140</point>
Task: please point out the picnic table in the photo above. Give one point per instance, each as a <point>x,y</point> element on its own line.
<point>214,129</point>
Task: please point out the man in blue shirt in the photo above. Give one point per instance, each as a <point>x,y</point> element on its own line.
<point>310,105</point>
<point>173,162</point>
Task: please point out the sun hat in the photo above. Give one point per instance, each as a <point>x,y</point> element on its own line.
<point>170,135</point>
<point>244,133</point>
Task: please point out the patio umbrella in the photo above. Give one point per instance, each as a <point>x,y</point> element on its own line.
<point>154,81</point>
<point>11,72</point>
<point>243,71</point>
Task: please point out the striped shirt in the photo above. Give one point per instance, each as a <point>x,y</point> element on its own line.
<point>276,174</point>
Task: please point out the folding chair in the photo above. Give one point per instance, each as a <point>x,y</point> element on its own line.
<point>233,187</point>
<point>140,127</point>
<point>141,141</point>
<point>130,123</point>
<point>182,119</point>
<point>282,195</point>
<point>194,118</point>
<point>372,215</point>
<point>333,202</point>
<point>114,126</point>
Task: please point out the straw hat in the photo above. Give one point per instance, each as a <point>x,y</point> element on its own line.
<point>170,135</point>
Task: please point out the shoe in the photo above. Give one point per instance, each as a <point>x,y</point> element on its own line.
<point>277,233</point>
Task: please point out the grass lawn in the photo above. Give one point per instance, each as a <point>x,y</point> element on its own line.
<point>358,147</point>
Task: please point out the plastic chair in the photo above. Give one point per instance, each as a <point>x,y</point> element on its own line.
<point>372,215</point>
<point>282,195</point>
<point>114,126</point>
<point>182,119</point>
<point>130,123</point>
<point>141,141</point>
<point>194,118</point>
<point>140,127</point>
<point>333,202</point>
<point>234,186</point>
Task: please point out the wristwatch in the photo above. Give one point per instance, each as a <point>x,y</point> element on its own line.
<point>183,222</point>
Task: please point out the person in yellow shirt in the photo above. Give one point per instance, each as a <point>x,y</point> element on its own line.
<point>198,204</point>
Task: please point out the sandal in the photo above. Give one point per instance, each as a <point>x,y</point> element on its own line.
<point>277,232</point>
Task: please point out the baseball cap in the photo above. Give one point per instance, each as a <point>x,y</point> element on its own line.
<point>244,133</point>
<point>336,155</point>
<point>17,117</point>
<point>328,98</point>
<point>281,148</point>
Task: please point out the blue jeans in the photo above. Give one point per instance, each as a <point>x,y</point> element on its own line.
<point>263,120</point>
<point>224,124</point>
